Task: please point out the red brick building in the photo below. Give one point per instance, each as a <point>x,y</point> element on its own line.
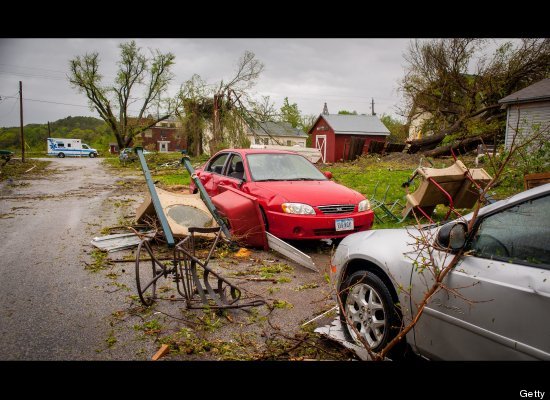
<point>333,134</point>
<point>165,136</point>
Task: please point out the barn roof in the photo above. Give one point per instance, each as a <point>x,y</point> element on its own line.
<point>535,92</point>
<point>278,129</point>
<point>355,124</point>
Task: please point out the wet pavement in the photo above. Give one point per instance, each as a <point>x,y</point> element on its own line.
<point>54,308</point>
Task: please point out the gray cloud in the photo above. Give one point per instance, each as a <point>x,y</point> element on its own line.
<point>345,73</point>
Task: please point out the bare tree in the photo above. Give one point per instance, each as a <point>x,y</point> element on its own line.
<point>229,94</point>
<point>264,110</point>
<point>112,102</point>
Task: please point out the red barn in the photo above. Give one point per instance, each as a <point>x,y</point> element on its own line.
<point>334,134</point>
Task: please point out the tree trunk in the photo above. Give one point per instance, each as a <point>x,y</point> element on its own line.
<point>463,146</point>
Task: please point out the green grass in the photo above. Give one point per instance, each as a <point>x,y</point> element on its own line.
<point>168,175</point>
<point>16,170</point>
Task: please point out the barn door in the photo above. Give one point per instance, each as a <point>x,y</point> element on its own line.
<point>321,144</point>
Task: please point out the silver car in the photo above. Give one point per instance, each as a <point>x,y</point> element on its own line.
<point>499,305</point>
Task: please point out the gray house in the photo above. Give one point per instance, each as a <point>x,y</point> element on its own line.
<point>277,133</point>
<point>531,107</point>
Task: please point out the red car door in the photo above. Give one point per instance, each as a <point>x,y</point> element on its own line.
<point>211,175</point>
<point>234,173</point>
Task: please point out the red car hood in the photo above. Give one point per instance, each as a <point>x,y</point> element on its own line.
<point>314,193</point>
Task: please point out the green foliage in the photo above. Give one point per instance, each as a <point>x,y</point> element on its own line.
<point>16,170</point>
<point>100,261</point>
<point>398,131</point>
<point>529,160</point>
<point>91,131</point>
<point>112,102</point>
<point>290,113</point>
<point>346,112</point>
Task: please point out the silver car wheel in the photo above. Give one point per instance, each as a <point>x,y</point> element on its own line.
<point>365,310</point>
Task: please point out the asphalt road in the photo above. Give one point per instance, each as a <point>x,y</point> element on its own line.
<point>51,307</point>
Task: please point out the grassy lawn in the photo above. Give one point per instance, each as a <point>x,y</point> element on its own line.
<point>165,167</point>
<point>16,170</point>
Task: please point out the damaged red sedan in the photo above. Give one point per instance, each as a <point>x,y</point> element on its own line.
<point>296,199</point>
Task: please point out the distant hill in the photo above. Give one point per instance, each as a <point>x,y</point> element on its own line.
<point>92,131</point>
<point>77,122</point>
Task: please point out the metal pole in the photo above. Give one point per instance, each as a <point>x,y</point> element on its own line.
<point>155,198</point>
<point>21,117</point>
<point>204,195</point>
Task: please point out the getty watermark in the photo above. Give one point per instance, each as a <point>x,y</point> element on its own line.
<point>537,394</point>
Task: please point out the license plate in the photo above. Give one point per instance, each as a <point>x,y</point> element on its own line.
<point>345,224</point>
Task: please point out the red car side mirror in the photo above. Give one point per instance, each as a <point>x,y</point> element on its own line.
<point>328,174</point>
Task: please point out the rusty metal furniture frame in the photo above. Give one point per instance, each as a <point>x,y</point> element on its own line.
<point>191,274</point>
<point>464,179</point>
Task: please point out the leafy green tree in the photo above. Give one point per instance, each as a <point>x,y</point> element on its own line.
<point>346,112</point>
<point>290,113</point>
<point>398,130</point>
<point>112,102</point>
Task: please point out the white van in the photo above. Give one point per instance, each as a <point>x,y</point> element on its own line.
<point>69,147</point>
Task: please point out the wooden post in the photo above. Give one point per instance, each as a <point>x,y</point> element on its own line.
<point>49,131</point>
<point>21,117</point>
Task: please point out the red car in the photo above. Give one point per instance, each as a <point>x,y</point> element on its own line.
<point>297,200</point>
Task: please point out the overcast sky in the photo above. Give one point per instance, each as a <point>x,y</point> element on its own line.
<point>344,73</point>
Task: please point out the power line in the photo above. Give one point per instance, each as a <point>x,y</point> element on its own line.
<point>12,107</point>
<point>56,102</point>
<point>30,75</point>
<point>21,66</point>
<point>51,102</point>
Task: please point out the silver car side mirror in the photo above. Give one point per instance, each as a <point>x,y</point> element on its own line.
<point>452,236</point>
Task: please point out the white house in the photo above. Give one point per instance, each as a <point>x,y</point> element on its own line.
<point>528,110</point>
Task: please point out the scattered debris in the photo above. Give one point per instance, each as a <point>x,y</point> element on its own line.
<point>291,252</point>
<point>164,349</point>
<point>454,186</point>
<point>182,211</point>
<point>243,253</point>
<point>334,331</point>
<point>119,241</point>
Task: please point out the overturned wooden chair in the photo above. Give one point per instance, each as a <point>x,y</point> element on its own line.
<point>454,186</point>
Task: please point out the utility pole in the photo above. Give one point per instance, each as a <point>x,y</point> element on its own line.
<point>21,117</point>
<point>49,131</point>
<point>372,106</point>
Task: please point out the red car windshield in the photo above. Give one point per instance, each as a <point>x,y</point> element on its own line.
<point>282,167</point>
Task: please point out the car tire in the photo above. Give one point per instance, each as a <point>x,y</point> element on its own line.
<point>368,303</point>
<point>91,155</point>
<point>61,155</point>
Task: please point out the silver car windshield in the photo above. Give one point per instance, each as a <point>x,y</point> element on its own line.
<point>282,167</point>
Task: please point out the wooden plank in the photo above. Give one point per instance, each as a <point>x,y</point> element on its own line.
<point>164,349</point>
<point>534,180</point>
